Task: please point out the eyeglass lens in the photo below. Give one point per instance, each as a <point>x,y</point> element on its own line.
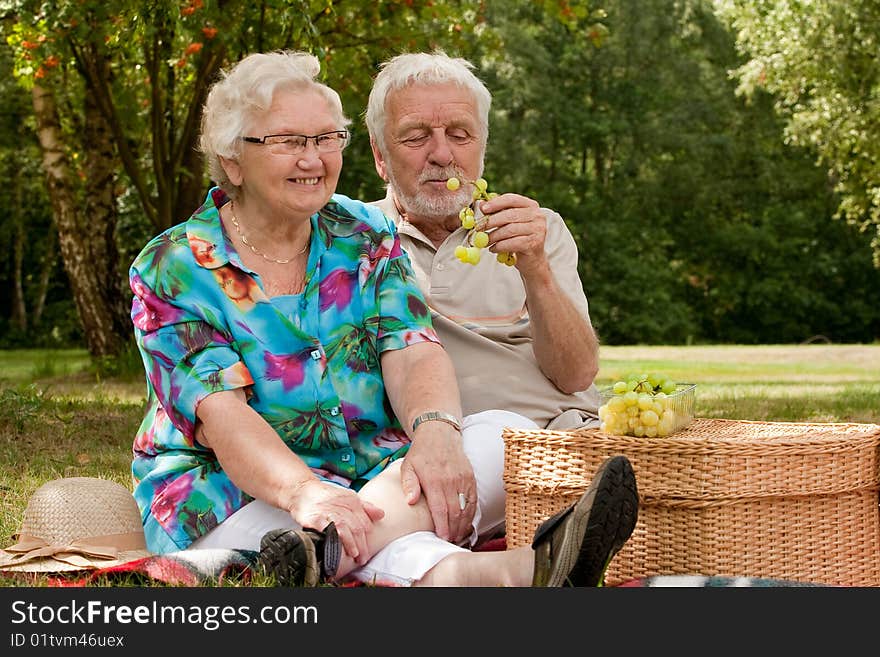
<point>325,143</point>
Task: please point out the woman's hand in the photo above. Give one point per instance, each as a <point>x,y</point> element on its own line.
<point>437,467</point>
<point>259,463</point>
<point>316,504</point>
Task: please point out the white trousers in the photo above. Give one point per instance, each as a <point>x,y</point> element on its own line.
<point>406,559</point>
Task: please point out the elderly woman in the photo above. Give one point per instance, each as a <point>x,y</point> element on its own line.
<point>299,401</point>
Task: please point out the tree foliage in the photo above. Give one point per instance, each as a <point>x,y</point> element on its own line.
<point>118,90</point>
<point>695,219</point>
<point>820,61</point>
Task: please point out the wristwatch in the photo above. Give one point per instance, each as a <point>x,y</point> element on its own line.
<point>438,416</point>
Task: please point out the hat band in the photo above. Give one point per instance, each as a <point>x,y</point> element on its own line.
<point>30,548</point>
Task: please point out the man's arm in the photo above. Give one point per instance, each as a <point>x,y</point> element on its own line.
<point>565,344</point>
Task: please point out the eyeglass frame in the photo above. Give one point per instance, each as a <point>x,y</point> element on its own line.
<point>262,140</point>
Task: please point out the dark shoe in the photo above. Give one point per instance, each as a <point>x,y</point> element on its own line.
<point>289,555</point>
<point>328,549</point>
<point>575,546</point>
<point>301,557</point>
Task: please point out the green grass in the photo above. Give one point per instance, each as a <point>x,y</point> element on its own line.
<point>801,383</point>
<point>60,418</point>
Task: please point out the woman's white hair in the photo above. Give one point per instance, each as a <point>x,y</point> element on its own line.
<point>247,89</point>
<point>423,68</point>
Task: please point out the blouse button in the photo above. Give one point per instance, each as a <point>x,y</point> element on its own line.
<point>334,410</point>
<point>346,458</point>
<point>316,354</point>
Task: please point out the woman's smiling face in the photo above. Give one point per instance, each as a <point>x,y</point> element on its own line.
<point>295,185</point>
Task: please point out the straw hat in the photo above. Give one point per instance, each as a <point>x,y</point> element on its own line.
<point>77,523</point>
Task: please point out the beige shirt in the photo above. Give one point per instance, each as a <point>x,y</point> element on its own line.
<point>479,311</point>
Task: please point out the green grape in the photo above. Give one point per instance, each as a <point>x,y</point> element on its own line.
<point>641,404</point>
<point>478,238</point>
<point>649,418</point>
<point>461,252</point>
<point>508,259</point>
<point>616,404</point>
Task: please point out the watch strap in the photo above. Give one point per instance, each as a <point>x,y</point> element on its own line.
<point>437,416</point>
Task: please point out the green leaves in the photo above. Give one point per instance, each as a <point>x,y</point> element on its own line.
<point>819,60</point>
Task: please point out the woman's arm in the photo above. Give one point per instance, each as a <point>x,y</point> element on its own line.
<point>420,378</point>
<point>257,461</point>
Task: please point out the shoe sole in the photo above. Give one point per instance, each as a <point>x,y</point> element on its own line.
<point>601,523</point>
<point>289,556</point>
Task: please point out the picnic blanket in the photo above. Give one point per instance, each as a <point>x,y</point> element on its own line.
<point>213,567</point>
<point>701,581</point>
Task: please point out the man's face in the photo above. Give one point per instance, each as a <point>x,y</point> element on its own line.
<point>432,132</point>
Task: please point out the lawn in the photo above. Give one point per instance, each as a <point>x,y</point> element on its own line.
<point>59,419</point>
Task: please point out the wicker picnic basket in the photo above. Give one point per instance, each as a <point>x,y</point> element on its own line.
<point>782,500</point>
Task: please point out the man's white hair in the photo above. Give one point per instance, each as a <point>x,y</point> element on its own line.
<point>423,68</point>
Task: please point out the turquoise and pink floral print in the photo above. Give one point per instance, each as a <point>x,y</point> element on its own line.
<point>309,363</point>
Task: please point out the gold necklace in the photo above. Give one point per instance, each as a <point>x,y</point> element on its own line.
<point>244,240</point>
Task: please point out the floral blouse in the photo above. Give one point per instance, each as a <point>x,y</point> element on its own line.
<point>309,362</point>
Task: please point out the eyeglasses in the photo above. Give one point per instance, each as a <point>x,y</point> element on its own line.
<point>326,142</point>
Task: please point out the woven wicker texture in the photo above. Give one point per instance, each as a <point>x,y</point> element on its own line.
<point>785,500</point>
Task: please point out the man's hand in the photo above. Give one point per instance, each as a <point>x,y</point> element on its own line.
<point>516,224</point>
<point>436,466</point>
<point>564,342</point>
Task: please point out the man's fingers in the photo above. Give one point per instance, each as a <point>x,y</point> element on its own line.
<point>410,483</point>
<point>374,512</point>
<point>440,515</point>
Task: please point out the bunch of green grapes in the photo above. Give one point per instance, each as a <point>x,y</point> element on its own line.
<point>640,405</point>
<point>476,239</point>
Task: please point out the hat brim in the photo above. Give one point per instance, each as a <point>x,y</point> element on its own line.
<point>79,562</point>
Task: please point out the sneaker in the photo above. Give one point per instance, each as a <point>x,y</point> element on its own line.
<point>289,555</point>
<point>300,557</point>
<point>575,546</point>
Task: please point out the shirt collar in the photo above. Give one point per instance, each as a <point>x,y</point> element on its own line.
<point>209,242</point>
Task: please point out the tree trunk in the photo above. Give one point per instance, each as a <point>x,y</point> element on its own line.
<point>46,267</point>
<point>101,211</point>
<point>19,317</point>
<point>98,322</point>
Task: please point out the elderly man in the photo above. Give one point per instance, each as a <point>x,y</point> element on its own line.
<point>520,337</point>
